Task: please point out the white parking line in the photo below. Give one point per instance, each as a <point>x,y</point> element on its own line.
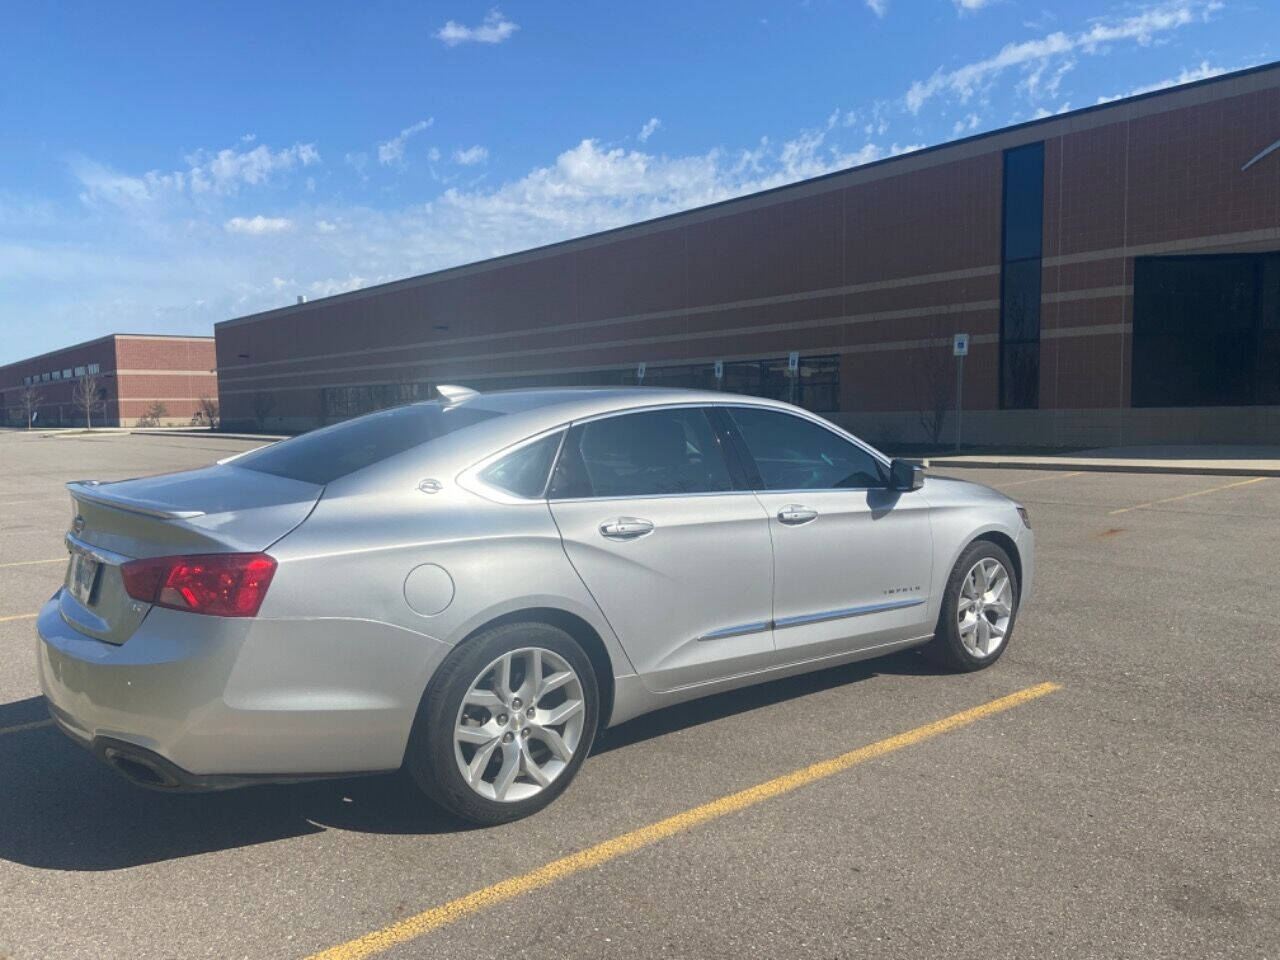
<point>1054,476</point>
<point>31,563</point>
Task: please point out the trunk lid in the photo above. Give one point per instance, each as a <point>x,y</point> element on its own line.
<point>216,509</point>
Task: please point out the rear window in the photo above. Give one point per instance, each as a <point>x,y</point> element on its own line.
<point>331,453</point>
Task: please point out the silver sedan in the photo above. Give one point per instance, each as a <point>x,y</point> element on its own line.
<point>473,587</point>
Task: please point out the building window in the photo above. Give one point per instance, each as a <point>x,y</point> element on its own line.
<point>57,374</point>
<point>1021,247</point>
<point>79,371</point>
<point>1206,330</point>
<point>343,403</point>
<point>93,368</point>
<point>44,378</point>
<point>66,374</point>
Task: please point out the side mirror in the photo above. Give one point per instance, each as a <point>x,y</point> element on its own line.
<point>905,476</point>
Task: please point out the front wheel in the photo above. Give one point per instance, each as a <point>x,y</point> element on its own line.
<point>979,606</point>
<point>505,724</point>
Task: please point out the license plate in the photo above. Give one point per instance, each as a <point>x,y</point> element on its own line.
<point>83,577</point>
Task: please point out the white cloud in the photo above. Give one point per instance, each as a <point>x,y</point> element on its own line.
<point>222,174</point>
<point>1188,75</point>
<point>647,131</point>
<point>1055,50</point>
<point>966,124</point>
<point>258,225</point>
<point>494,29</point>
<point>325,226</point>
<point>391,153</point>
<point>471,156</point>
<point>969,6</point>
<point>878,7</point>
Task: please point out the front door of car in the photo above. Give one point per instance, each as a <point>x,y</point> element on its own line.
<point>852,559</point>
<point>674,548</point>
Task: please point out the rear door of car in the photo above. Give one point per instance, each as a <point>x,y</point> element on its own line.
<point>852,558</point>
<point>670,542</point>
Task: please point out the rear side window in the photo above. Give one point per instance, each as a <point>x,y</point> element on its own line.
<point>793,453</point>
<point>642,455</point>
<point>330,453</point>
<point>524,473</point>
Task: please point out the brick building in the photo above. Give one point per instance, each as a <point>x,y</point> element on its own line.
<point>1117,269</point>
<point>133,371</point>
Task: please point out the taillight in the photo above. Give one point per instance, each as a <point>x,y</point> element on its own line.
<point>221,584</point>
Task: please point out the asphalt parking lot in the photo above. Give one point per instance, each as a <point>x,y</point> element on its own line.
<point>1131,812</point>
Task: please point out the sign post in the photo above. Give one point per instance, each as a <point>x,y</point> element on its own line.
<point>719,372</point>
<point>640,373</point>
<point>793,372</point>
<point>960,349</point>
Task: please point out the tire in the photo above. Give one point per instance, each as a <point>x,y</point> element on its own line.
<point>958,646</point>
<point>467,711</point>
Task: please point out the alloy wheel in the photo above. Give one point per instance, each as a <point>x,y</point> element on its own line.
<point>519,724</point>
<point>985,607</point>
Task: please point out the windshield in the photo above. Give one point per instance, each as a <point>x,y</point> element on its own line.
<point>328,454</point>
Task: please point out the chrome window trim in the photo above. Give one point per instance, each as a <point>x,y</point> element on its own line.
<point>469,479</point>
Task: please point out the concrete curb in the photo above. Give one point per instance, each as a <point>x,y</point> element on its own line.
<point>1267,468</point>
<point>211,435</point>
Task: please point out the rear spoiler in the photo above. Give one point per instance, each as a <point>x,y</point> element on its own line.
<point>92,491</point>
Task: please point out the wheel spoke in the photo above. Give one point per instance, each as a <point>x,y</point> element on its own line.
<point>558,715</point>
<point>476,768</point>
<point>502,679</point>
<point>964,603</point>
<point>530,766</point>
<point>997,632</point>
<point>479,697</point>
<point>555,743</point>
<point>984,634</point>
<point>1001,607</point>
<point>507,774</point>
<point>477,735</point>
<point>553,682</point>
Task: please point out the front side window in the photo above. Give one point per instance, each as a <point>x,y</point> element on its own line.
<point>524,472</point>
<point>654,453</point>
<point>792,453</point>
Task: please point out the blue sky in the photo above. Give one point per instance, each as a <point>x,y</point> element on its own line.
<point>166,166</point>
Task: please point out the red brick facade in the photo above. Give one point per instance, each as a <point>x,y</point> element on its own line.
<point>134,371</point>
<point>877,266</point>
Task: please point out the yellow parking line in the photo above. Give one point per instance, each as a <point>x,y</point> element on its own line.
<point>31,563</point>
<point>25,726</point>
<point>19,616</point>
<point>429,920</point>
<point>1184,496</point>
<point>1055,476</point>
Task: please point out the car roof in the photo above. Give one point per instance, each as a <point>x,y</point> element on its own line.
<point>589,401</point>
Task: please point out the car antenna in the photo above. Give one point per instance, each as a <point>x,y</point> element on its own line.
<point>454,394</point>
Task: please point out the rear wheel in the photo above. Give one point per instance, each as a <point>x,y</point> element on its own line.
<point>979,607</point>
<point>505,724</point>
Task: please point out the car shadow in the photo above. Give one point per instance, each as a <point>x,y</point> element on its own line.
<point>61,809</point>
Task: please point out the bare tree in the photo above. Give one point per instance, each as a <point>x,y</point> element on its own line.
<point>263,404</point>
<point>155,413</point>
<point>86,397</point>
<point>934,387</point>
<point>30,401</point>
<point>209,411</point>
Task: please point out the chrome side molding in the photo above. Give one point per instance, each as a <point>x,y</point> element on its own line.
<point>781,623</point>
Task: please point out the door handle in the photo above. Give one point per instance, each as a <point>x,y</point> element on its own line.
<point>626,528</point>
<point>796,514</point>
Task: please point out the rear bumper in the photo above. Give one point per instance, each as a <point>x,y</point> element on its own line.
<point>212,702</point>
